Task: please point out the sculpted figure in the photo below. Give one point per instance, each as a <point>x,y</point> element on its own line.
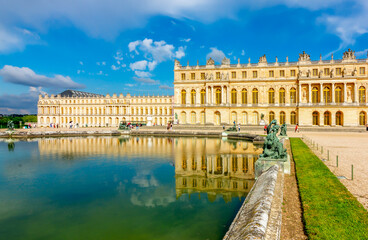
<point>273,148</point>
<point>283,130</point>
<point>10,125</point>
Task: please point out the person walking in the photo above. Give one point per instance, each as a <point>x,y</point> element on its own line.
<point>297,127</point>
<point>238,127</point>
<point>265,129</point>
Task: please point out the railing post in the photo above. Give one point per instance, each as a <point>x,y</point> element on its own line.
<point>352,172</point>
<point>337,160</point>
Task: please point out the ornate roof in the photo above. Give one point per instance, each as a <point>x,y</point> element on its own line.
<point>73,93</point>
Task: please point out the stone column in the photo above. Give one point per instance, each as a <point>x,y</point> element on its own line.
<point>228,95</point>
<point>222,94</point>
<point>300,93</point>
<point>356,96</point>
<point>345,99</point>
<point>333,93</point>
<point>321,93</point>
<point>309,93</point>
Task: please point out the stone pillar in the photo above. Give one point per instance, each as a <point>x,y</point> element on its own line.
<point>356,95</point>
<point>309,93</point>
<point>345,99</point>
<point>333,93</point>
<point>321,93</point>
<point>300,93</point>
<point>222,94</point>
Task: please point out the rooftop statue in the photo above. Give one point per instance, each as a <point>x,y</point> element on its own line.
<point>273,148</point>
<point>177,63</point>
<point>10,125</point>
<point>225,61</point>
<point>283,130</point>
<point>349,55</point>
<point>303,57</point>
<point>262,59</point>
<point>210,61</point>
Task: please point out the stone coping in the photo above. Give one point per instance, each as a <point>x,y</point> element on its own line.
<point>252,220</point>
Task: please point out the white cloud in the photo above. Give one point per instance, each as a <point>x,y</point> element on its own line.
<point>142,74</point>
<point>26,76</point>
<point>113,67</point>
<point>130,85</point>
<point>139,65</point>
<point>78,71</point>
<point>146,80</point>
<point>81,63</point>
<point>185,40</point>
<point>180,53</point>
<point>216,54</point>
<point>118,56</point>
<point>362,53</point>
<point>243,52</point>
<point>152,65</point>
<point>132,46</point>
<point>103,63</point>
<point>165,87</point>
<point>24,103</point>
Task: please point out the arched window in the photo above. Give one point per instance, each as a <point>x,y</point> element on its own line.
<point>271,116</point>
<point>244,118</point>
<point>362,118</point>
<point>282,117</point>
<point>339,119</point>
<point>183,96</point>
<point>193,117</point>
<point>203,96</point>
<point>271,96</point>
<point>202,118</point>
<point>361,94</point>
<point>315,116</point>
<point>282,96</point>
<point>217,118</point>
<point>193,97</point>
<point>218,96</point>
<point>315,95</point>
<point>244,96</point>
<point>292,95</point>
<point>234,96</point>
<point>326,95</point>
<point>292,118</point>
<point>234,117</point>
<point>338,95</point>
<point>183,117</point>
<point>327,118</point>
<point>255,96</point>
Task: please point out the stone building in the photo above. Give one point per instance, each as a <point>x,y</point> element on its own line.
<point>320,93</point>
<point>94,110</point>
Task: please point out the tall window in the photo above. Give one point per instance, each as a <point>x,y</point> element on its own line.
<point>292,73</point>
<point>217,75</point>
<point>315,72</point>
<point>255,96</point>
<point>271,96</point>
<point>362,70</point>
<point>326,95</point>
<point>338,71</point>
<point>362,118</point>
<point>233,75</point>
<point>327,118</point>
<point>326,71</point>
<point>192,76</point>
<point>244,74</point>
<point>292,95</point>
<point>271,116</point>
<point>292,118</point>
<point>315,95</point>
<point>193,97</point>
<point>282,73</point>
<point>282,96</point>
<point>234,96</point>
<point>270,73</point>
<point>203,76</point>
<point>255,74</point>
<point>244,96</point>
<point>282,117</point>
<point>203,96</point>
<point>338,95</point>
<point>361,94</point>
<point>315,116</point>
<point>339,119</point>
<point>183,76</point>
<point>218,96</point>
<point>183,97</point>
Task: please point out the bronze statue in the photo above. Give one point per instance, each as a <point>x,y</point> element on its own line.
<point>273,148</point>
<point>10,125</point>
<point>283,130</point>
<point>123,126</point>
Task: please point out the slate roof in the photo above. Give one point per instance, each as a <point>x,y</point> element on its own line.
<point>73,93</point>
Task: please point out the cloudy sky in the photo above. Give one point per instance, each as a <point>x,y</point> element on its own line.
<point>121,46</point>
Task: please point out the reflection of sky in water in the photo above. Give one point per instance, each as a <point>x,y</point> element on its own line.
<point>102,196</point>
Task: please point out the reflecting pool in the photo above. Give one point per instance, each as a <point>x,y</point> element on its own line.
<point>122,188</point>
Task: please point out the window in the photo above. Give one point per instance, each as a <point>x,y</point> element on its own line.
<point>234,96</point>
<point>192,76</point>
<point>193,97</point>
<point>361,94</point>
<point>327,118</point>
<point>338,95</point>
<point>217,75</point>
<point>218,96</point>
<point>244,96</point>
<point>255,96</point>
<point>326,95</point>
<point>315,72</point>
<point>255,74</point>
<point>338,71</point>
<point>292,95</point>
<point>362,118</point>
<point>183,97</point>
<point>315,117</point>
<point>203,96</point>
<point>271,116</point>
<point>282,96</point>
<point>183,76</point>
<point>361,70</point>
<point>292,118</point>
<point>292,73</point>
<point>233,75</point>
<point>326,71</point>
<point>282,117</point>
<point>282,73</point>
<point>270,73</point>
<point>315,95</point>
<point>271,96</point>
<point>339,119</point>
<point>244,74</point>
<point>203,76</point>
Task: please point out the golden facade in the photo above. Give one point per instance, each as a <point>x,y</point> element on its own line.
<point>93,110</point>
<point>311,93</point>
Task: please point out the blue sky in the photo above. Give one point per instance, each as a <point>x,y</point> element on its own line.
<point>112,46</point>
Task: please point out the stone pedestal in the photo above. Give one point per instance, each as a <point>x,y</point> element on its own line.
<point>262,164</point>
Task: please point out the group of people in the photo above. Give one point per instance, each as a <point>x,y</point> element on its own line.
<point>295,130</point>
<point>169,126</point>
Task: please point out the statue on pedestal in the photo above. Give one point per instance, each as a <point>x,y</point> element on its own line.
<point>273,148</point>
<point>283,130</point>
<point>10,125</point>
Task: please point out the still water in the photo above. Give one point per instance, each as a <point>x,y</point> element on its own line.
<point>122,188</point>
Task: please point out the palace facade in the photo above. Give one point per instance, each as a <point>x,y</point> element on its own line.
<point>320,93</point>
<point>311,93</point>
<point>94,110</point>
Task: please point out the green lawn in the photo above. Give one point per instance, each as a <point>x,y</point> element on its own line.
<point>330,210</point>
